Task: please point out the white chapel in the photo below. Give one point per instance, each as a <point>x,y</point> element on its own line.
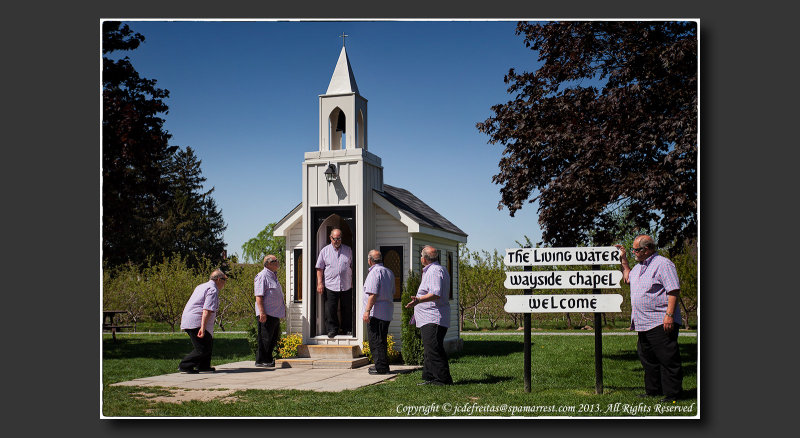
<point>342,187</point>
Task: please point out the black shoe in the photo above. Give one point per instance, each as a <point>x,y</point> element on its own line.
<point>669,399</point>
<point>374,371</point>
<point>647,395</point>
<point>189,371</point>
<point>372,368</point>
<point>331,334</point>
<point>207,370</point>
<point>265,364</point>
<point>426,382</point>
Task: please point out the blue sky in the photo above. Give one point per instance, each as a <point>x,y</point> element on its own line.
<point>244,96</point>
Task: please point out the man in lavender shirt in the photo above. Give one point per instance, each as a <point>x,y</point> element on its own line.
<point>432,317</point>
<point>270,308</point>
<point>655,315</point>
<point>378,310</point>
<point>198,322</point>
<point>335,278</point>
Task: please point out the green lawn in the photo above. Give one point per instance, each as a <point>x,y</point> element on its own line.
<point>488,376</point>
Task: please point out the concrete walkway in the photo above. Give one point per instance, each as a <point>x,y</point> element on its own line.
<point>245,375</point>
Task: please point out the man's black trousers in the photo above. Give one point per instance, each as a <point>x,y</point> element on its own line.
<point>332,300</point>
<point>378,331</point>
<point>434,358</point>
<point>200,357</point>
<point>661,359</point>
<point>269,332</point>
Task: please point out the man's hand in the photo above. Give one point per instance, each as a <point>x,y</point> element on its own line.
<point>262,318</point>
<point>320,288</point>
<point>414,301</point>
<point>366,316</point>
<point>201,332</point>
<point>669,323</point>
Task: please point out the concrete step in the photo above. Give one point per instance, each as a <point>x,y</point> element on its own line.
<point>328,351</point>
<point>308,362</point>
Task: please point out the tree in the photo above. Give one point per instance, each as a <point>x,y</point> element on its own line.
<point>153,199</point>
<point>480,284</point>
<point>255,249</point>
<point>608,121</point>
<point>411,347</point>
<point>136,153</point>
<point>686,265</point>
<point>192,226</point>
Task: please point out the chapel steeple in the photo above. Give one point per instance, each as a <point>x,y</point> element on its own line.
<point>342,110</point>
<point>342,80</point>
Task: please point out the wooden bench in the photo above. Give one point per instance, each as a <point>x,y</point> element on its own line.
<point>109,325</point>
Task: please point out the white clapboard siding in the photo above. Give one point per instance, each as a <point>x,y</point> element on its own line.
<point>294,311</point>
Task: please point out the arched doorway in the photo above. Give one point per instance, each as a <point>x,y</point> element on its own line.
<point>323,221</point>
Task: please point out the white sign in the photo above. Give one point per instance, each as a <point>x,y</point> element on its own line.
<point>600,255</point>
<point>563,280</point>
<point>563,303</point>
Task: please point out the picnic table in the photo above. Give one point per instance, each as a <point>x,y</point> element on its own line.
<point>108,322</point>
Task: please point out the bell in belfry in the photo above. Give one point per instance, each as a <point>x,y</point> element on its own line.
<point>340,122</point>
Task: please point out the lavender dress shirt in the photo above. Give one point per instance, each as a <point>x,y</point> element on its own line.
<point>650,282</point>
<point>436,280</point>
<point>380,282</point>
<point>336,264</point>
<point>266,285</point>
<point>204,297</point>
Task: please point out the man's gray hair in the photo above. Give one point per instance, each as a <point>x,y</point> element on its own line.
<point>217,274</point>
<point>375,256</point>
<point>647,241</point>
<point>430,253</point>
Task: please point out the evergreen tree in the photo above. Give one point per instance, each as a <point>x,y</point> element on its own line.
<point>192,225</point>
<point>136,153</point>
<point>153,199</point>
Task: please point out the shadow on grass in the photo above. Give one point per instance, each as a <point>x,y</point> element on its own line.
<point>688,353</point>
<point>488,379</point>
<point>490,348</point>
<point>169,348</point>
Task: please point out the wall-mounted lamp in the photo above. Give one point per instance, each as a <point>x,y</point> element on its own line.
<point>330,173</point>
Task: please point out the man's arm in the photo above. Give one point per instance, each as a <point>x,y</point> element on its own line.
<point>262,316</point>
<point>204,321</point>
<point>623,258</point>
<point>370,302</point>
<point>320,281</point>
<point>430,296</point>
<point>672,302</point>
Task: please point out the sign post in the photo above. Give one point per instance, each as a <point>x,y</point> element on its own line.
<point>598,345</point>
<point>527,323</point>
<point>595,279</point>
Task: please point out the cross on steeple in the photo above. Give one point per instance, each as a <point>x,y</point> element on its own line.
<point>343,36</point>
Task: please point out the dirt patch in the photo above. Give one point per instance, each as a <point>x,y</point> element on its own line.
<point>183,395</point>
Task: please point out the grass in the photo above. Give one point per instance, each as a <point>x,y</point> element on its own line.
<point>488,375</point>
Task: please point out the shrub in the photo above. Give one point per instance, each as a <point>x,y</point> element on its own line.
<point>411,337</point>
<point>252,337</point>
<point>394,355</point>
<point>288,345</point>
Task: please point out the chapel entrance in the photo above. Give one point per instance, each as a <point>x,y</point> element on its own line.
<point>323,221</point>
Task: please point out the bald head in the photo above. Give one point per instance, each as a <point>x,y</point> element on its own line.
<point>374,257</point>
<point>643,247</point>
<point>430,254</point>
<point>336,237</point>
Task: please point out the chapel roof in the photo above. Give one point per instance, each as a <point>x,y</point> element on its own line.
<point>418,210</point>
